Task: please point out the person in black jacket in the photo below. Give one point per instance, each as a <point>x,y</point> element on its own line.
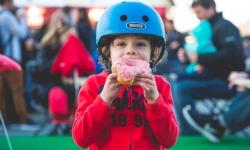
<point>228,57</point>
<point>170,64</point>
<point>84,29</point>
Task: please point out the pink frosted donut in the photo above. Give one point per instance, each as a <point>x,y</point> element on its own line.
<point>128,69</point>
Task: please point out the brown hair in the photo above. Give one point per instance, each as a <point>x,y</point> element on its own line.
<point>105,43</point>
<point>204,3</point>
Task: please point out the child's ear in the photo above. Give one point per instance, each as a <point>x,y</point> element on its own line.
<point>155,54</point>
<point>105,51</point>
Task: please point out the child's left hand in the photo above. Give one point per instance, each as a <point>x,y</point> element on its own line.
<point>199,69</point>
<point>193,57</point>
<point>147,82</point>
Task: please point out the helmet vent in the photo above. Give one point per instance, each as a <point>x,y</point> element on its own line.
<point>145,18</point>
<point>123,17</point>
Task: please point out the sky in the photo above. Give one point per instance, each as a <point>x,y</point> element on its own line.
<point>236,11</point>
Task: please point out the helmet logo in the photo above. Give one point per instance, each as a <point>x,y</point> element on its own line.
<point>135,25</point>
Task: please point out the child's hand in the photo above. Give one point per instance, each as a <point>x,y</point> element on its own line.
<point>147,82</point>
<point>111,89</point>
<point>199,69</point>
<point>192,57</point>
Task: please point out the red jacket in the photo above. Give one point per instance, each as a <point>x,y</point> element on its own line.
<point>131,123</point>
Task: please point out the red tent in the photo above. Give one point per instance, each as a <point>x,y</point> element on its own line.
<point>73,56</point>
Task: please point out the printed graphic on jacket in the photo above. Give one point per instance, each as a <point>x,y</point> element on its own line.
<point>131,102</point>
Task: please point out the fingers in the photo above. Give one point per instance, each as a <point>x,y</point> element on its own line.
<point>146,81</point>
<point>146,87</point>
<point>112,78</point>
<point>117,85</point>
<point>112,81</point>
<point>145,75</point>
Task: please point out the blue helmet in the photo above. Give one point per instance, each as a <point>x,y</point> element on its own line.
<point>131,17</point>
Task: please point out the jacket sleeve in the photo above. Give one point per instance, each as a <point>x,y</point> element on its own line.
<point>229,48</point>
<point>92,116</point>
<point>161,117</point>
<point>15,26</point>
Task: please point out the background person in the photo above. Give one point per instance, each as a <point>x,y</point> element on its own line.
<point>228,57</point>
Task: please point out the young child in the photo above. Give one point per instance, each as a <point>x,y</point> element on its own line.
<point>199,41</point>
<point>111,116</point>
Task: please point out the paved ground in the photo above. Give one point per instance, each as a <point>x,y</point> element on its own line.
<point>41,125</point>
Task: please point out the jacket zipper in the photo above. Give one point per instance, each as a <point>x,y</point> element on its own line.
<point>130,118</point>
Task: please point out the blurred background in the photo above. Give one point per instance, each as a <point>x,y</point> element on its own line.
<point>38,12</point>
<point>47,31</point>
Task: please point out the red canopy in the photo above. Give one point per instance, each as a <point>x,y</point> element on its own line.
<point>7,64</point>
<point>73,55</point>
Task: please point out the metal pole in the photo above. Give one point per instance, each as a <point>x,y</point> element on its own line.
<point>6,132</point>
<point>76,80</point>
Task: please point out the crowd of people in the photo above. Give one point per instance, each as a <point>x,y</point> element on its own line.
<point>35,51</point>
<point>210,61</point>
<point>215,68</point>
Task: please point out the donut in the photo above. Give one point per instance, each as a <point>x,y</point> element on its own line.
<point>129,69</point>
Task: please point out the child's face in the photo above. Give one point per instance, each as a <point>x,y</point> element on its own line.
<point>132,47</point>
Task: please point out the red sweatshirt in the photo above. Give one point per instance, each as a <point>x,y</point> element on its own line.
<point>130,123</point>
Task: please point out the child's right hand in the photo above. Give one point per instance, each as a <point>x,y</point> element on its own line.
<point>199,69</point>
<point>111,89</point>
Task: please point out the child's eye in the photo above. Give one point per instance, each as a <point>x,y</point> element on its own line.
<point>120,44</point>
<point>141,44</point>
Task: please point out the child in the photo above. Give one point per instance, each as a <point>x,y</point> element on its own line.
<point>199,41</point>
<point>115,117</point>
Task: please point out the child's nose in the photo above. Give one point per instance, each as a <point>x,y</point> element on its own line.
<point>130,52</point>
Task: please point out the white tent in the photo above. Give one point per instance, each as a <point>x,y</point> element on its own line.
<point>85,3</point>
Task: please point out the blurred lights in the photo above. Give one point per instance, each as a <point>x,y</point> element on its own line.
<point>95,14</point>
<point>35,18</point>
